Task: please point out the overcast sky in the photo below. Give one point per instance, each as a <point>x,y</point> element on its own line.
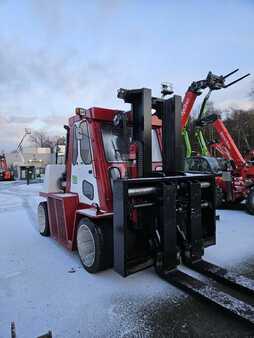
<point>59,54</point>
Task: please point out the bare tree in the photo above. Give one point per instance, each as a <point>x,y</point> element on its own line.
<point>39,138</point>
<point>43,140</point>
<point>240,125</point>
<point>251,93</point>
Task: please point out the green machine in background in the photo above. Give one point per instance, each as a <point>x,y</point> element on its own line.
<point>198,132</point>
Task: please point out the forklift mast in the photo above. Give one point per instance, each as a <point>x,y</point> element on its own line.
<point>154,205</point>
<point>141,101</point>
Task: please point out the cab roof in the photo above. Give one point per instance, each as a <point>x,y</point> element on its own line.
<point>104,114</point>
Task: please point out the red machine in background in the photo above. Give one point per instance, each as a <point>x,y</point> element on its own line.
<point>234,176</point>
<point>238,179</point>
<point>227,148</point>
<point>5,173</point>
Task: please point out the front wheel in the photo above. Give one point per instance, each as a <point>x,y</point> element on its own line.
<point>43,219</point>
<point>250,202</point>
<point>95,245</point>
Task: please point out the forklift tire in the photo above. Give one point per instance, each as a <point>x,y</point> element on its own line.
<point>95,245</point>
<point>250,202</point>
<point>43,219</point>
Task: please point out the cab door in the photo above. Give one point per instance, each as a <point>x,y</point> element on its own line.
<point>83,180</point>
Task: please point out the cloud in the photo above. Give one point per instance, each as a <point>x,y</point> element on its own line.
<point>32,79</point>
<point>11,132</point>
<point>39,89</point>
<point>49,14</point>
<point>244,104</point>
<point>56,120</point>
<point>14,119</point>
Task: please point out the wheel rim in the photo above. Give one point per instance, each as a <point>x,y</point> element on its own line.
<point>86,245</point>
<point>41,218</point>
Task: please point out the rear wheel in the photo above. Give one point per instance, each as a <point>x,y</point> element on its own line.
<point>250,202</point>
<point>95,245</point>
<point>43,219</point>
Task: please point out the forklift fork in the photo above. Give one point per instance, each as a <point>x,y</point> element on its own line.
<point>128,260</point>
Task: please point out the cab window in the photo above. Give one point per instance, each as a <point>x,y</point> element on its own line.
<point>156,151</point>
<point>85,150</point>
<point>75,146</point>
<point>117,147</point>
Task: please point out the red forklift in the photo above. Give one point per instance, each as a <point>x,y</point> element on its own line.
<point>5,173</point>
<point>123,203</point>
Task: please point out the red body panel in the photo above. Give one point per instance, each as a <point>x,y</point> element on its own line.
<point>61,210</point>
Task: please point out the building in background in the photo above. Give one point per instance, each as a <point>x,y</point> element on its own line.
<point>59,152</point>
<point>33,158</point>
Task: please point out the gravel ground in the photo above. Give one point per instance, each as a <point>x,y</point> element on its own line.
<point>43,286</point>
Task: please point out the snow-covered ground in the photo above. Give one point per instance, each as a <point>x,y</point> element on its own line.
<point>43,286</point>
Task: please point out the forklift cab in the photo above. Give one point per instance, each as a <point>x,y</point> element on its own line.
<point>100,151</point>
